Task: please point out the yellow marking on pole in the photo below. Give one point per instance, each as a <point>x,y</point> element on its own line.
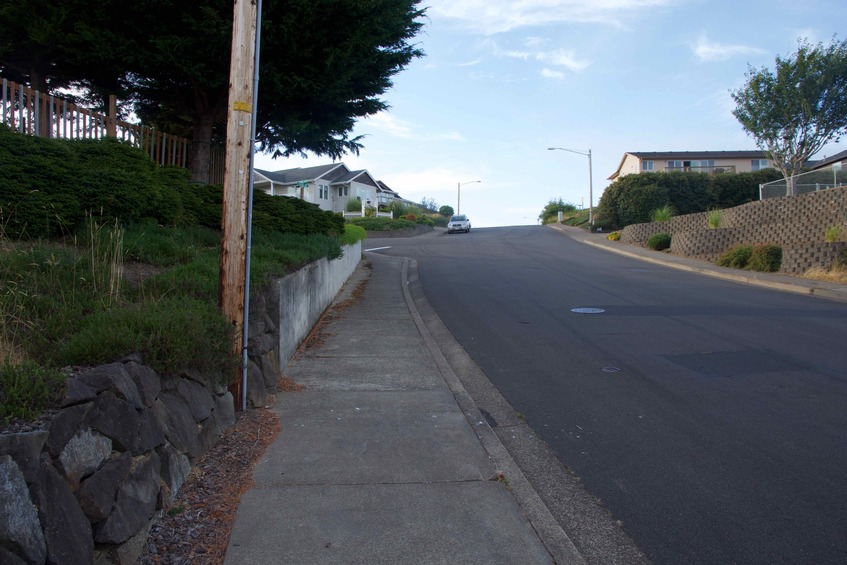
<point>242,106</point>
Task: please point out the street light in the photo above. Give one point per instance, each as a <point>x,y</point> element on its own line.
<point>590,182</point>
<point>459,197</point>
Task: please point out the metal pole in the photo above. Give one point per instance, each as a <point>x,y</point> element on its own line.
<point>590,194</point>
<point>245,332</point>
<point>459,199</point>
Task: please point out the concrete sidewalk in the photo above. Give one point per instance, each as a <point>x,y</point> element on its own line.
<point>384,458</point>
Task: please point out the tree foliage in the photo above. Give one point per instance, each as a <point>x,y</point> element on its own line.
<point>798,107</point>
<point>551,210</point>
<point>446,211</point>
<point>323,63</point>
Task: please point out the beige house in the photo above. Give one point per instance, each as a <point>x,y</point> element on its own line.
<point>710,162</point>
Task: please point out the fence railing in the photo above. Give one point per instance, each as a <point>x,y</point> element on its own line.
<point>707,169</point>
<point>31,112</point>
<point>804,183</point>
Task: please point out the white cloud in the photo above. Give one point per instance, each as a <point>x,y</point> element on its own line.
<point>549,73</point>
<point>707,50</point>
<point>386,123</point>
<point>497,16</point>
<point>469,63</point>
<point>564,58</point>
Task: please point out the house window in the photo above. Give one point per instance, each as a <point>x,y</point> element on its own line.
<point>340,190</point>
<point>759,164</point>
<point>674,165</point>
<point>320,191</point>
<point>647,166</point>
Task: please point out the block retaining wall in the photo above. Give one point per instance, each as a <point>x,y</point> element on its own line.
<point>798,224</point>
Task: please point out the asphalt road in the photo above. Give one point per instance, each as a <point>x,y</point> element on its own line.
<point>710,417</point>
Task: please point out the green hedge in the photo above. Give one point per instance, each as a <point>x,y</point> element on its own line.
<point>631,199</point>
<point>48,186</point>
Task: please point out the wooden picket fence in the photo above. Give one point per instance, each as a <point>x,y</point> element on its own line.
<point>31,112</point>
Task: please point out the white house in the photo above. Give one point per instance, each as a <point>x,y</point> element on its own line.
<point>328,186</point>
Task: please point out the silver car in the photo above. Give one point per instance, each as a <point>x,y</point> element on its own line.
<point>459,223</point>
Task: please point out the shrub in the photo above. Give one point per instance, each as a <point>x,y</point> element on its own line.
<point>353,205</point>
<point>663,214</point>
<point>715,218</point>
<point>26,390</point>
<point>735,257</point>
<point>382,224</point>
<point>445,211</point>
<point>659,241</point>
<point>172,335</point>
<point>765,258</point>
<point>352,234</point>
<point>411,217</point>
<point>833,233</point>
<point>614,236</point>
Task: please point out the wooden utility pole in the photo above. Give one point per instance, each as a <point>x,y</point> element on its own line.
<point>236,175</point>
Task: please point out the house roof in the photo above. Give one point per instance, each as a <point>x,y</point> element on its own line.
<point>361,176</point>
<point>290,176</point>
<point>386,189</point>
<point>687,156</point>
<point>837,158</point>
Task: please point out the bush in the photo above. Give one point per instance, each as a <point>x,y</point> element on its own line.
<point>659,241</point>
<point>765,258</point>
<point>26,390</point>
<point>715,218</point>
<point>382,224</point>
<point>833,233</point>
<point>735,257</point>
<point>663,214</point>
<point>171,334</point>
<point>614,236</point>
<point>352,234</point>
<point>353,205</point>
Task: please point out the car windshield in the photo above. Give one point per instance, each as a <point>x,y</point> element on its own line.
<point>457,219</point>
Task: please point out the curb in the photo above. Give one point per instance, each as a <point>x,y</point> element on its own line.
<point>809,289</point>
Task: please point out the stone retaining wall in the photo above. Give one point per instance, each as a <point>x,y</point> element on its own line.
<point>798,224</point>
<point>87,486</point>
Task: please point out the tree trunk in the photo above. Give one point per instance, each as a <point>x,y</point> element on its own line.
<point>199,155</point>
<point>209,110</point>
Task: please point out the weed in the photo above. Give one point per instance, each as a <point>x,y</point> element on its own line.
<point>765,258</point>
<point>715,218</point>
<point>833,234</point>
<point>663,214</point>
<point>736,257</point>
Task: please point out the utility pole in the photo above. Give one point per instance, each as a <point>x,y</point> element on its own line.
<point>236,175</point>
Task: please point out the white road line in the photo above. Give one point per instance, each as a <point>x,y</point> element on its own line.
<point>378,248</point>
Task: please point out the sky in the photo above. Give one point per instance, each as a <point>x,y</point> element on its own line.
<point>503,80</point>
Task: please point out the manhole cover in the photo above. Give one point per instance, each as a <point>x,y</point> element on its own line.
<point>587,310</point>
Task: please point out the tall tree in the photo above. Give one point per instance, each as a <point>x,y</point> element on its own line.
<point>797,108</point>
<point>324,63</point>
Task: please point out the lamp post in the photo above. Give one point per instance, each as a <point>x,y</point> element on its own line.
<point>590,182</point>
<point>459,195</point>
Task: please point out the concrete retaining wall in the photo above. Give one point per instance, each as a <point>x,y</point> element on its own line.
<point>798,224</point>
